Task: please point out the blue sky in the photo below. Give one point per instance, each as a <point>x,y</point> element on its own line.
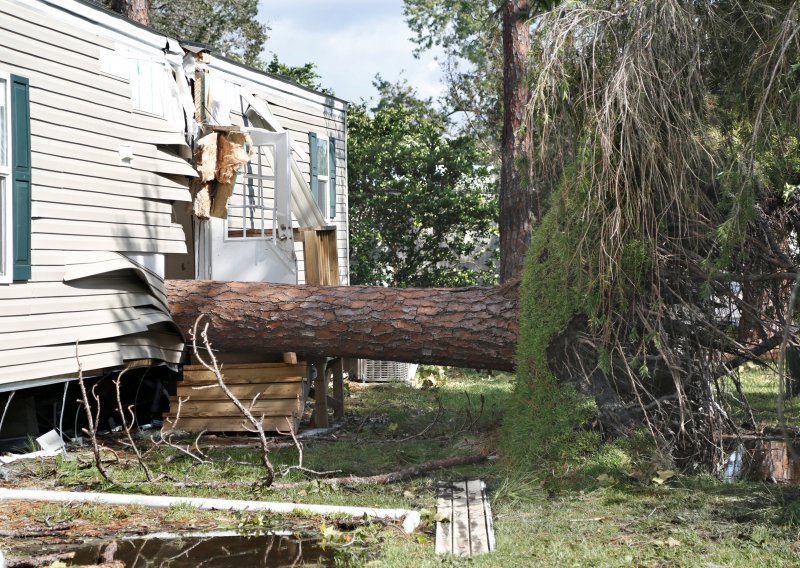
<point>349,41</point>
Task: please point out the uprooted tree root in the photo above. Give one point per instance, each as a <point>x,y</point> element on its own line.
<point>667,257</point>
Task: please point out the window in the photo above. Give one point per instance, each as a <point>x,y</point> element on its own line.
<point>5,178</point>
<point>251,207</point>
<point>15,179</point>
<point>322,152</point>
<point>148,86</point>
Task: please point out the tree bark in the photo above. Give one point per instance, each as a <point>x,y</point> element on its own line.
<point>136,10</point>
<point>517,207</point>
<point>473,327</point>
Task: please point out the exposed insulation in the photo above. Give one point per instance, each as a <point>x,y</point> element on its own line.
<point>231,154</point>
<point>202,200</point>
<point>206,157</point>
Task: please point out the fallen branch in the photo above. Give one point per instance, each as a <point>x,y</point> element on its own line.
<point>37,533</point>
<point>213,366</point>
<point>91,419</point>
<point>34,561</point>
<point>394,476</point>
<point>299,467</point>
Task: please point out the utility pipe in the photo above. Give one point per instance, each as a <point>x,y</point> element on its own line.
<point>409,518</point>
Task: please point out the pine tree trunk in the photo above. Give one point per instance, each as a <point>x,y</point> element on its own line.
<point>517,207</point>
<point>473,327</point>
<point>136,10</point>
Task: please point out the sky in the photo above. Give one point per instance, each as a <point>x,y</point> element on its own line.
<point>350,41</point>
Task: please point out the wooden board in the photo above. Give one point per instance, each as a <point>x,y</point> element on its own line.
<point>211,408</point>
<point>275,391</point>
<point>244,392</point>
<point>468,529</point>
<point>241,374</point>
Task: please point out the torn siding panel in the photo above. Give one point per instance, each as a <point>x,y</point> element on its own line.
<point>13,377</point>
<point>55,241</point>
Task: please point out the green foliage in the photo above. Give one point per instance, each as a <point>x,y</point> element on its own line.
<point>229,26</point>
<point>469,32</point>
<point>305,75</point>
<point>422,204</point>
<point>547,422</point>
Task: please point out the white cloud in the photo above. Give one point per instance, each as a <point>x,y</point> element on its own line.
<point>350,41</point>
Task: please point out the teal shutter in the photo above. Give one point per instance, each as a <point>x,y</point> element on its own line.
<point>312,154</point>
<point>332,177</point>
<point>21,176</point>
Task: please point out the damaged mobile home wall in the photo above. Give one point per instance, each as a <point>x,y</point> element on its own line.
<point>240,96</point>
<point>106,167</point>
<point>111,130</point>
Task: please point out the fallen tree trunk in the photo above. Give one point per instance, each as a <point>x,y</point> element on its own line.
<point>473,327</point>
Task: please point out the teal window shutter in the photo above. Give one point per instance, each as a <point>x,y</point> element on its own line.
<point>332,178</point>
<point>312,154</point>
<point>21,176</point>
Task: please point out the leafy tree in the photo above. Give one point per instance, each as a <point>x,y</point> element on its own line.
<point>305,75</point>
<point>669,129</point>
<point>422,204</point>
<point>230,26</point>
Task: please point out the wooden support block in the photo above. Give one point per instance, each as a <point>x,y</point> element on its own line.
<point>468,529</point>
<point>290,358</point>
<point>274,391</point>
<point>338,388</point>
<point>320,394</point>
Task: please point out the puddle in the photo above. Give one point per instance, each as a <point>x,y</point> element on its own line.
<point>763,460</point>
<point>223,550</point>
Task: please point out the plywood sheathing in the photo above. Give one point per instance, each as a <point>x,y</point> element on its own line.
<point>231,155</point>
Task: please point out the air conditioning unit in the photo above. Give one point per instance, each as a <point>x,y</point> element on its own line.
<point>386,371</point>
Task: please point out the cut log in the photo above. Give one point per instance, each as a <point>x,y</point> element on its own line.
<point>472,327</point>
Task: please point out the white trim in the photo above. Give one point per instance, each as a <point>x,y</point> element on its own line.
<point>7,221</point>
<point>251,78</point>
<point>325,195</point>
<point>88,18</point>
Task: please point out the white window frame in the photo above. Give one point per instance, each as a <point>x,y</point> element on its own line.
<point>6,214</point>
<point>254,177</point>
<point>148,84</point>
<point>323,182</point>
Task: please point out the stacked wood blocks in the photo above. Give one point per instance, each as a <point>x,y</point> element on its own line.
<point>276,387</point>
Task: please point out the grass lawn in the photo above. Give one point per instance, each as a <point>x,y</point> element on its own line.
<point>610,521</point>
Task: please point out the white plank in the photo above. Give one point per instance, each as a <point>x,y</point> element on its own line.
<point>63,335</point>
<point>469,531</point>
<point>96,286</point>
<point>444,506</point>
<point>21,375</point>
<point>37,355</point>
<point>15,324</point>
<point>29,306</point>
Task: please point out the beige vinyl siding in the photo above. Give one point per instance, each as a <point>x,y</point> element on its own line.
<point>87,208</point>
